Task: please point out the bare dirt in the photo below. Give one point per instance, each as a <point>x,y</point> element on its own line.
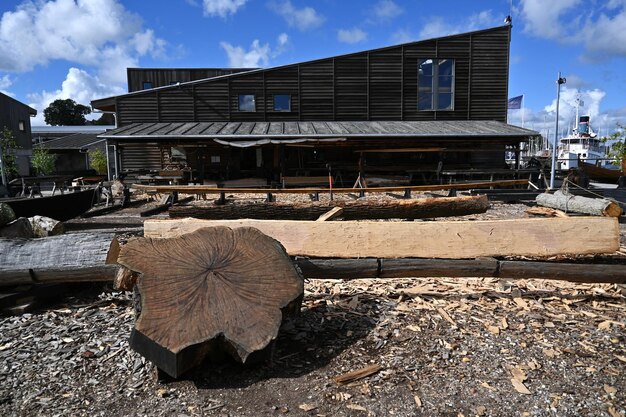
<point>445,347</point>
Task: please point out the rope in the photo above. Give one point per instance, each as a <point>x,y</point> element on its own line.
<point>584,189</point>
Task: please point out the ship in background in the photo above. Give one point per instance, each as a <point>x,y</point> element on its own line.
<point>582,145</point>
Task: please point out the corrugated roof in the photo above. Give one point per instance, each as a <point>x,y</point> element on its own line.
<point>320,129</point>
<point>76,141</point>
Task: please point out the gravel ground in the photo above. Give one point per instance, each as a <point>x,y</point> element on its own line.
<point>445,347</point>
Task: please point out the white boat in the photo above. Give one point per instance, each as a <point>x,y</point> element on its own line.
<point>581,145</point>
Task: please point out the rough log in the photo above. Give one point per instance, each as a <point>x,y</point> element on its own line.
<point>20,228</point>
<point>440,239</point>
<point>66,258</point>
<point>462,268</point>
<point>45,226</point>
<point>352,210</point>
<point>577,204</point>
<point>211,291</point>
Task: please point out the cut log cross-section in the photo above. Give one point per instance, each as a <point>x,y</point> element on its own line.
<point>352,210</point>
<point>214,290</point>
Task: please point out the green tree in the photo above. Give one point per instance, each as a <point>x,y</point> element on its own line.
<point>98,161</point>
<point>8,147</point>
<point>65,113</point>
<point>616,146</point>
<point>43,161</point>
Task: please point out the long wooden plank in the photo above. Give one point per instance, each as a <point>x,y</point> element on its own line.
<point>442,239</point>
<point>459,268</point>
<point>206,189</point>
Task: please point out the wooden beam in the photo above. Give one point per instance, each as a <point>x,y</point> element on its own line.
<point>459,268</point>
<point>401,150</point>
<point>442,239</point>
<point>202,189</point>
<point>330,214</point>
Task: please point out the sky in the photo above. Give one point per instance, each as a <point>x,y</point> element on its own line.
<point>80,49</point>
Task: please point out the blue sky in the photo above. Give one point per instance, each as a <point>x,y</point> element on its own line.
<point>80,48</point>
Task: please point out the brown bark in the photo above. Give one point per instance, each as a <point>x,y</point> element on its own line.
<point>216,289</point>
<point>352,210</point>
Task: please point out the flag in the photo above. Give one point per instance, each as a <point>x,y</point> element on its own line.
<point>515,102</point>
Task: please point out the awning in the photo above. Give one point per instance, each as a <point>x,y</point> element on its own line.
<point>251,143</point>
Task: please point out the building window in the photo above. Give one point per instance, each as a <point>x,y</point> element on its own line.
<point>147,85</point>
<point>247,102</point>
<point>435,84</point>
<point>215,159</point>
<point>21,125</point>
<point>282,102</point>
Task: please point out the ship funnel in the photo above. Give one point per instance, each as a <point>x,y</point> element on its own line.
<point>583,126</point>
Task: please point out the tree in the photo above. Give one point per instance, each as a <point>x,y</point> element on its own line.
<point>8,145</point>
<point>98,161</point>
<point>43,161</point>
<point>65,113</point>
<point>616,146</point>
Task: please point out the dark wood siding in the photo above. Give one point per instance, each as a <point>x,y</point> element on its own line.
<point>489,76</point>
<point>161,77</point>
<point>11,113</point>
<point>371,85</point>
<point>317,91</point>
<point>351,88</point>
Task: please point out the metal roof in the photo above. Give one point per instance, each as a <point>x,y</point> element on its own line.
<point>320,129</point>
<point>76,141</point>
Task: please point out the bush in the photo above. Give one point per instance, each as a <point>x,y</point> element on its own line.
<point>43,161</point>
<point>98,161</point>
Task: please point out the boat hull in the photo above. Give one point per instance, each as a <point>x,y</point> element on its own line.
<point>597,173</point>
<point>60,207</point>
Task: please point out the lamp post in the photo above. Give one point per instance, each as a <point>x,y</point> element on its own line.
<point>560,80</point>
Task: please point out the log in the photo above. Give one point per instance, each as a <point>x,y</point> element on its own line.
<point>45,226</point>
<point>352,210</point>
<point>83,257</point>
<point>460,268</point>
<point>577,204</point>
<point>19,228</point>
<point>441,239</point>
<point>214,290</point>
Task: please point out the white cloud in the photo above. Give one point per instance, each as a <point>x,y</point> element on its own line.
<point>257,56</point>
<point>438,26</point>
<point>78,85</point>
<point>222,8</point>
<point>386,10</point>
<point>601,34</point>
<point>82,32</point>
<point>542,18</point>
<point>353,35</point>
<point>302,19</point>
<point>5,82</point>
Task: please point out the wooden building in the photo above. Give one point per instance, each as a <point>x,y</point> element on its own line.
<point>410,108</point>
<point>147,78</point>
<point>15,116</point>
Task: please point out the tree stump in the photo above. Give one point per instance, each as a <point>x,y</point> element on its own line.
<point>211,291</point>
